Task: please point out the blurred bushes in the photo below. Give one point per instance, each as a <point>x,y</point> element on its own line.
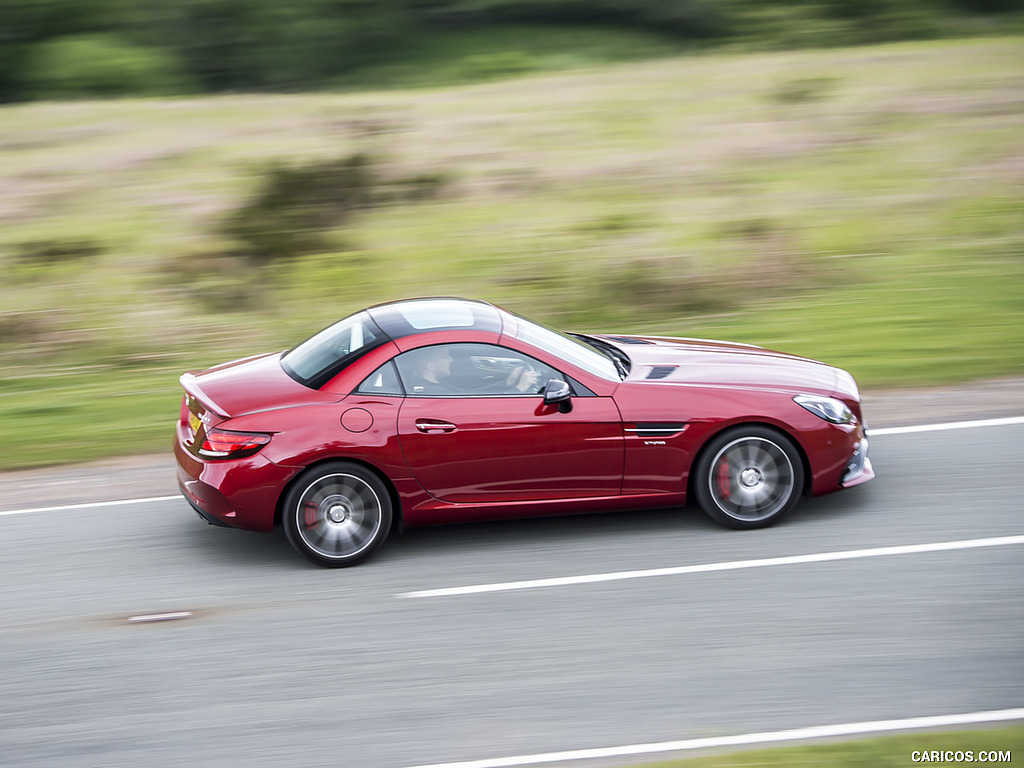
<point>296,207</point>
<point>89,48</point>
<point>803,90</point>
<point>687,18</point>
<point>39,260</point>
<point>50,252</point>
<point>100,65</point>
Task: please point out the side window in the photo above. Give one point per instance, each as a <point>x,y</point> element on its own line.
<point>383,381</point>
<point>472,370</point>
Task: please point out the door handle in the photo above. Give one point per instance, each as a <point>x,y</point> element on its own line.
<point>434,426</point>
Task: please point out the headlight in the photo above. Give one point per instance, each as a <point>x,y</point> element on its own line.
<point>827,408</point>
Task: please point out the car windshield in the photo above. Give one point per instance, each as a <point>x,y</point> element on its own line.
<point>569,349</point>
<point>320,358</point>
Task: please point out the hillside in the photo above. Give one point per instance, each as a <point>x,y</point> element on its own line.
<point>859,205</point>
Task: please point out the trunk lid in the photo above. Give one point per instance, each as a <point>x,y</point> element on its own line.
<point>245,386</point>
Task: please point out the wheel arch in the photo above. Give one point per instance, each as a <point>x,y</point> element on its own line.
<point>397,517</point>
<point>808,483</point>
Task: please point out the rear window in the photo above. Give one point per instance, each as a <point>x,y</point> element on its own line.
<point>320,358</point>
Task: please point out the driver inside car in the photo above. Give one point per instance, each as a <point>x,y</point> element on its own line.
<point>431,374</point>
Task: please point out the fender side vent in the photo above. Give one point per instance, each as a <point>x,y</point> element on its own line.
<point>657,429</point>
<point>661,371</point>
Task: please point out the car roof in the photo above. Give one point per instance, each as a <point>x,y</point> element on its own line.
<point>399,319</point>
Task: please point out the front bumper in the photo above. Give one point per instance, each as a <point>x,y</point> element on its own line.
<point>859,469</point>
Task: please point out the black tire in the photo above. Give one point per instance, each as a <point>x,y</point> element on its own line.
<point>336,514</point>
<point>748,477</point>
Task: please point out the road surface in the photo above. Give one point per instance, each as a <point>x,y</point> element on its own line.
<point>266,660</point>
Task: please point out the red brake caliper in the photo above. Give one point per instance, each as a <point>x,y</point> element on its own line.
<point>311,510</point>
<point>722,475</point>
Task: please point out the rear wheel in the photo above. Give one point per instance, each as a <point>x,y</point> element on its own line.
<point>336,514</point>
<point>749,477</point>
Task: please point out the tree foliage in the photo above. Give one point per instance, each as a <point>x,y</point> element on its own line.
<point>86,48</point>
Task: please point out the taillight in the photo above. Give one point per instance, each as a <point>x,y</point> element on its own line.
<point>222,444</point>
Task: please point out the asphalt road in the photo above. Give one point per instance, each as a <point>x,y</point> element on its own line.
<point>285,664</point>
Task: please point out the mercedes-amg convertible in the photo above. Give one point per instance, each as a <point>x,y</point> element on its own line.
<point>444,410</point>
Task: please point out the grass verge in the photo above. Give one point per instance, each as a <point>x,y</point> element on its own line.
<point>884,752</point>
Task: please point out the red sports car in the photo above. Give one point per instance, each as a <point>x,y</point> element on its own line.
<point>443,410</point>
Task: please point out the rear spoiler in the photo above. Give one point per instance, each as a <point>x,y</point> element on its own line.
<point>191,385</point>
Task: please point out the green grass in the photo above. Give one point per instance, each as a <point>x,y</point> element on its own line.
<point>864,206</point>
<point>882,752</point>
<point>80,415</point>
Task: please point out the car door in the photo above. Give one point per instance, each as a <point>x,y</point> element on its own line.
<point>481,440</point>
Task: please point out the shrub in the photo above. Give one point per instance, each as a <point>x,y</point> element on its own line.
<point>297,206</point>
<point>42,259</point>
<point>804,89</point>
<point>496,65</point>
<point>45,252</point>
<point>100,65</point>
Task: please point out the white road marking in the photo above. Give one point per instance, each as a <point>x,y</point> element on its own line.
<point>946,427</point>
<point>734,565</point>
<point>871,433</point>
<point>745,739</point>
<point>91,505</point>
<point>152,617</point>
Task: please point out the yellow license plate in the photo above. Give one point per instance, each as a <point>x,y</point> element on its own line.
<point>194,422</point>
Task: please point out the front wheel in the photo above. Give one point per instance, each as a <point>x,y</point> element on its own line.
<point>336,514</point>
<point>748,477</point>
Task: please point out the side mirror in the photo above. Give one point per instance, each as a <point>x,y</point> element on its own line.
<point>557,392</point>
